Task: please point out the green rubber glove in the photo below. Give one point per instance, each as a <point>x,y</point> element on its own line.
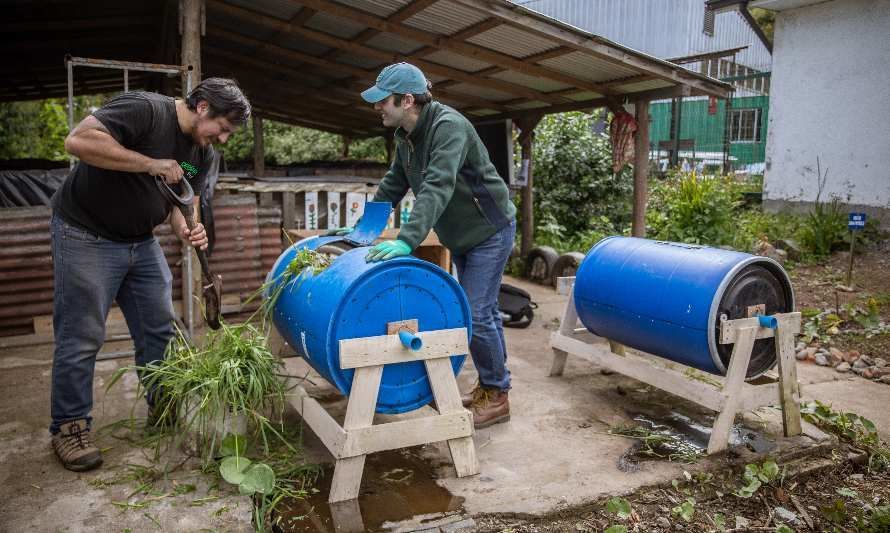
<point>338,232</point>
<point>388,250</point>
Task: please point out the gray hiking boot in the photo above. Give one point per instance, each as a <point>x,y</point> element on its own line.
<point>74,449</point>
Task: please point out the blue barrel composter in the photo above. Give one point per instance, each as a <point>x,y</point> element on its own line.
<point>667,298</point>
<point>352,299</point>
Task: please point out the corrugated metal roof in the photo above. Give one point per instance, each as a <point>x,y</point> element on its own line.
<point>481,92</point>
<point>354,38</point>
<point>446,18</point>
<point>512,41</point>
<point>383,8</point>
<point>587,67</point>
<point>335,26</point>
<point>457,61</point>
<point>393,43</point>
<point>540,84</point>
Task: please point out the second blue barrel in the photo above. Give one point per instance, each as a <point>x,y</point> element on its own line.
<point>351,299</point>
<point>666,298</point>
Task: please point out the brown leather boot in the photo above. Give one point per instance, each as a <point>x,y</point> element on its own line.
<point>468,398</point>
<point>491,407</point>
<point>74,449</point>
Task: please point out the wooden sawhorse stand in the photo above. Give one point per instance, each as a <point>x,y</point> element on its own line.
<point>727,395</point>
<point>358,436</point>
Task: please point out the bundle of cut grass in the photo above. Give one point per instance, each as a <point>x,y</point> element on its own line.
<point>305,262</point>
<point>232,381</point>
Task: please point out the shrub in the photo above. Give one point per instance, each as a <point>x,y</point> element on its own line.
<point>573,180</point>
<point>694,209</point>
<point>826,226</point>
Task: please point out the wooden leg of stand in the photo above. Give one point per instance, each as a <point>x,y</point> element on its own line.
<point>359,414</point>
<point>559,362</point>
<point>566,327</point>
<point>789,390</point>
<point>447,395</point>
<point>735,379</point>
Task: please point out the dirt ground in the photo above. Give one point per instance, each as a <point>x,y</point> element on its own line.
<point>817,287</point>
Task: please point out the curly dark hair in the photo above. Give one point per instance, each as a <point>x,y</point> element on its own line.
<point>420,100</point>
<point>224,97</point>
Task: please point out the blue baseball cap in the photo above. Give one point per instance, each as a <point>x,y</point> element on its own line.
<point>400,78</point>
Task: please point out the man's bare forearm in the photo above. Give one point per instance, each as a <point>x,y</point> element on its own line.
<point>92,144</point>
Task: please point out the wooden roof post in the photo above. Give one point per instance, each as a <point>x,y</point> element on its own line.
<point>191,27</point>
<point>526,142</point>
<point>641,168</point>
<point>259,146</point>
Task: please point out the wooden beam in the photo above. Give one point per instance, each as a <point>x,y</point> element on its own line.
<point>298,20</point>
<point>465,33</point>
<point>533,23</point>
<point>382,55</point>
<point>656,94</point>
<point>272,110</point>
<point>262,68</point>
<point>455,43</point>
<point>21,26</point>
<point>641,169</point>
<point>359,73</point>
<point>410,10</point>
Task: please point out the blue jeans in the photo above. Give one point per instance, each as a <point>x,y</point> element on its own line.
<point>90,272</point>
<point>480,271</point>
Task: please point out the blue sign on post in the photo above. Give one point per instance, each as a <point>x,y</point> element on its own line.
<point>856,221</point>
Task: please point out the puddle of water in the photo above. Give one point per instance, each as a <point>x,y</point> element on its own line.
<point>396,486</point>
<point>684,437</point>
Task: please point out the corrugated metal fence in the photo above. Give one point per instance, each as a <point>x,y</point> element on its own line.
<point>248,240</point>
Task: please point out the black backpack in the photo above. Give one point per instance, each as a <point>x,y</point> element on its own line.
<point>516,306</point>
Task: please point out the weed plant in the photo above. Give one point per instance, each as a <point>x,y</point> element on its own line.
<point>195,388</point>
<point>305,262</point>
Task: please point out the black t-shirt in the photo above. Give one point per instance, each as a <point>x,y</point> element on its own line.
<point>126,206</point>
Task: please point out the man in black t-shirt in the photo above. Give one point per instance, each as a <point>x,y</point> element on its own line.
<point>102,242</point>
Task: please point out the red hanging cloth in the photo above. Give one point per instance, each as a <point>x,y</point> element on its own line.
<point>621,134</point>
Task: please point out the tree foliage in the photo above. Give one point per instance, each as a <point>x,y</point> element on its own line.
<point>284,144</point>
<point>37,129</point>
<point>576,192</point>
<point>765,19</point>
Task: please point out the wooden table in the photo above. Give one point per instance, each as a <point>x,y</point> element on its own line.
<point>429,250</point>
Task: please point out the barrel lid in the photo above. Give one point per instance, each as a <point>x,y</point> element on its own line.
<point>757,282</point>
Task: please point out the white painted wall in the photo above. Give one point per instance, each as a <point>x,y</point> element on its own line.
<point>830,97</point>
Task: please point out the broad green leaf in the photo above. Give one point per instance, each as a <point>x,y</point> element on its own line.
<point>782,528</point>
<point>232,469</point>
<point>619,507</point>
<point>616,529</point>
<point>259,478</point>
<point>847,492</point>
<point>769,470</point>
<point>233,445</point>
<point>751,472</point>
<point>685,510</point>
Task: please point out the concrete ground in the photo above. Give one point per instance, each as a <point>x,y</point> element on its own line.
<point>553,454</point>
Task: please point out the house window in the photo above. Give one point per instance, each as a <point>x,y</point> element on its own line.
<point>744,126</point>
<point>708,24</point>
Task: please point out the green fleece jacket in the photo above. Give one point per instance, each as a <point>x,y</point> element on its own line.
<point>458,191</point>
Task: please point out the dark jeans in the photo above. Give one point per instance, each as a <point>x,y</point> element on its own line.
<point>90,272</point>
<point>480,271</point>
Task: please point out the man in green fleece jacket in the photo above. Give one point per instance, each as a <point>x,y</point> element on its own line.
<point>459,193</point>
